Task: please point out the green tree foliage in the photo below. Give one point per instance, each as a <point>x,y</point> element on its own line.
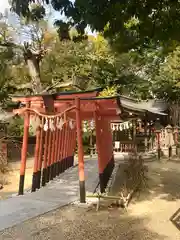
<point>109,92</point>
<point>12,70</point>
<point>4,74</point>
<point>144,68</point>
<point>6,56</point>
<point>33,12</point>
<point>145,27</point>
<point>16,127</point>
<point>166,84</point>
<point>141,27</point>
<point>128,24</point>
<point>67,61</point>
<point>92,63</point>
<point>88,64</point>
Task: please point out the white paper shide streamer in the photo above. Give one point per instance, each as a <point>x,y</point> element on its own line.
<point>121,126</point>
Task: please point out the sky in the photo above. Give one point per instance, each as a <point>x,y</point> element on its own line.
<point>53,16</point>
<point>3,5</point>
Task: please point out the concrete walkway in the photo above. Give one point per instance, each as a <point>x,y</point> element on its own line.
<point>59,192</point>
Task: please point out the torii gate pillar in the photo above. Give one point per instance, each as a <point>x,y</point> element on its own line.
<point>80,152</point>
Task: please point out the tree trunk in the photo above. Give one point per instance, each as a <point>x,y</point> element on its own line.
<point>175,114</point>
<point>32,60</point>
<point>34,72</point>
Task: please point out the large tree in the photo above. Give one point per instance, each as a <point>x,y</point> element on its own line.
<point>143,27</point>
<point>129,24</point>
<point>92,63</point>
<point>86,64</point>
<point>27,40</point>
<point>166,83</point>
<point>6,62</point>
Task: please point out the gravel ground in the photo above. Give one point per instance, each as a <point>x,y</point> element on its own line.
<point>147,218</point>
<point>72,223</point>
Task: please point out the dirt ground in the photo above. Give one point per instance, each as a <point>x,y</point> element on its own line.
<point>147,218</point>
<point>11,179</point>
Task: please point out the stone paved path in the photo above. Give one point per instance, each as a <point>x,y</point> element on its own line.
<point>147,218</point>
<point>57,193</point>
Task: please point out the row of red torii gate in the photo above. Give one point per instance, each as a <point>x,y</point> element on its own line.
<point>59,130</point>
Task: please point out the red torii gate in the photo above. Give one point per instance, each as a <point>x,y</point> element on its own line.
<point>60,119</point>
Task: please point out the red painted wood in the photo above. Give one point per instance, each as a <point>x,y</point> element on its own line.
<point>98,140</point>
<point>68,139</point>
<point>53,143</point>
<point>40,156</point>
<point>49,148</point>
<point>62,142</point>
<point>46,149</point>
<point>106,107</point>
<point>71,142</point>
<point>78,95</point>
<point>103,142</point>
<point>90,115</point>
<point>56,144</point>
<point>37,148</point>
<point>59,145</point>
<point>63,147</point>
<point>79,141</point>
<point>53,146</point>
<point>25,143</point>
